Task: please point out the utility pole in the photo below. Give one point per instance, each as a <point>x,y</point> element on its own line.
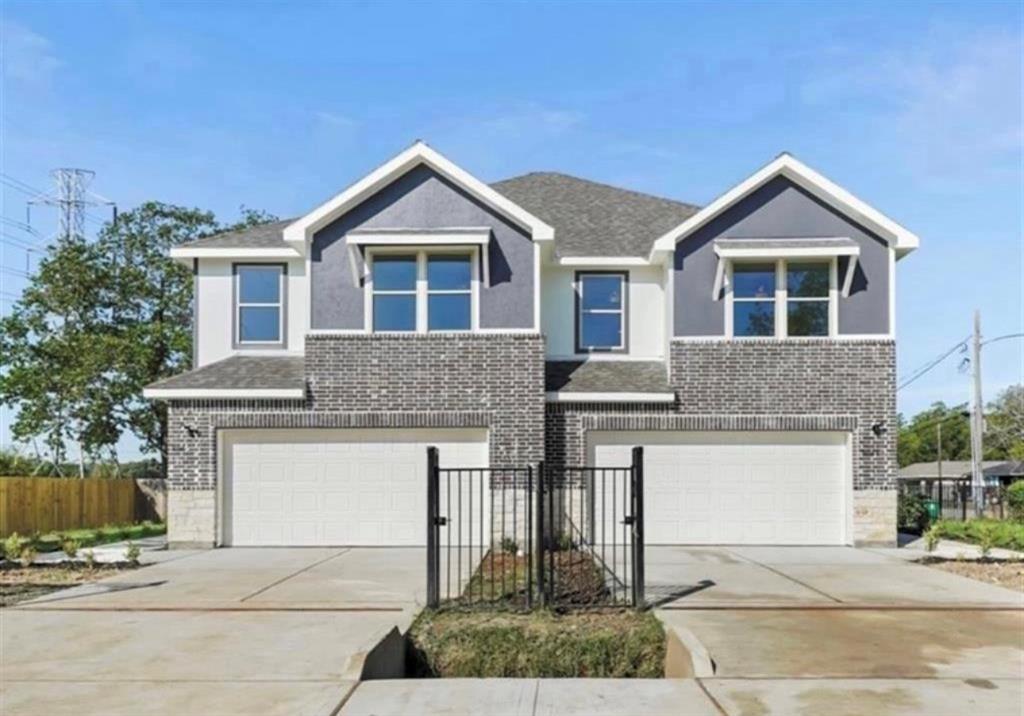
<point>977,422</point>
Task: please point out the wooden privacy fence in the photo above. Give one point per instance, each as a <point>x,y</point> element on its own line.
<point>43,504</point>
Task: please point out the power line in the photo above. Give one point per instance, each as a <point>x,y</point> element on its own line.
<point>936,421</point>
<point>923,370</point>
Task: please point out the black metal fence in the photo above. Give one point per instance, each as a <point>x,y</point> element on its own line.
<point>519,537</point>
<point>955,497</point>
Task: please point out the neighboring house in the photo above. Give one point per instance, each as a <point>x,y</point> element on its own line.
<point>748,345</point>
<point>998,473</point>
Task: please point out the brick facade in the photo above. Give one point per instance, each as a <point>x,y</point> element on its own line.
<point>805,385</point>
<point>375,381</point>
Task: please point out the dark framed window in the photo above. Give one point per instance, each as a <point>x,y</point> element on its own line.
<point>259,304</point>
<point>601,311</point>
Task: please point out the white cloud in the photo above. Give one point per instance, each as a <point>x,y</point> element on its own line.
<point>25,56</point>
<point>945,104</point>
<point>532,119</point>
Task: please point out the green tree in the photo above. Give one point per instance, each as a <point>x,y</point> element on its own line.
<point>918,439</point>
<point>1004,428</point>
<point>56,345</point>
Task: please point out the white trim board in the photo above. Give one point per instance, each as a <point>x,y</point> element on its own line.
<point>300,232</point>
<point>204,393</point>
<point>185,254</point>
<point>898,237</point>
<point>563,397</point>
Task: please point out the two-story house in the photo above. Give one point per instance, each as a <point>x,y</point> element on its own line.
<point>748,346</point>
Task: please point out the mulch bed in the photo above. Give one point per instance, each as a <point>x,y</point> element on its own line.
<point>1003,573</point>
<point>19,584</point>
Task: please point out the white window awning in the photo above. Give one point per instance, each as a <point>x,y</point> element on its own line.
<point>358,239</point>
<point>787,248</point>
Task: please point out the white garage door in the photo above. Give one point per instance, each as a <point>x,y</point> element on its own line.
<point>335,487</point>
<point>737,488</point>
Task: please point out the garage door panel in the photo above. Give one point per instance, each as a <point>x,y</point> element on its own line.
<point>737,488</point>
<point>335,487</point>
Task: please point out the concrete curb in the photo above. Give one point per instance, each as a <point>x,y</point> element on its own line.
<point>686,657</point>
<point>381,656</point>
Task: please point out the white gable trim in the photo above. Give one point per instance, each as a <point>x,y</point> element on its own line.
<point>899,238</point>
<point>301,231</point>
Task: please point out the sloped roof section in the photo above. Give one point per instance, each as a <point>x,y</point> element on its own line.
<point>592,219</point>
<point>605,376</point>
<point>237,374</point>
<point>264,236</point>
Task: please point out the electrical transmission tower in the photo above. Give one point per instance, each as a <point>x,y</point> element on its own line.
<point>72,198</point>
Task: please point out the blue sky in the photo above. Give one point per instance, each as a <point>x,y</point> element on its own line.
<point>914,107</point>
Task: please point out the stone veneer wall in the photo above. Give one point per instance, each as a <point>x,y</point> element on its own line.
<point>795,384</point>
<point>369,381</point>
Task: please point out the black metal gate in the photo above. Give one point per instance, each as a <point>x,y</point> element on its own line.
<point>516,537</point>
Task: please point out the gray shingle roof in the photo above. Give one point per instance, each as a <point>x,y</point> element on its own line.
<point>241,373</point>
<point>961,468</point>
<point>606,376</point>
<point>263,236</point>
<point>592,219</point>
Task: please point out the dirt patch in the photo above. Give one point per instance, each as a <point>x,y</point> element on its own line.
<point>20,584</point>
<point>598,644</point>
<point>1009,574</point>
<point>574,579</point>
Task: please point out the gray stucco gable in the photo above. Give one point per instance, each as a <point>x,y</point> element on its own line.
<point>423,199</point>
<point>779,209</point>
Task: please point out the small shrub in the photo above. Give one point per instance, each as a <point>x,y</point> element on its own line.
<point>931,537</point>
<point>986,540</point>
<point>28,554</point>
<point>90,560</point>
<point>509,545</point>
<point>13,545</point>
<point>132,553</point>
<point>70,548</point>
<point>563,542</point>
<point>1015,500</point>
<point>911,513</point>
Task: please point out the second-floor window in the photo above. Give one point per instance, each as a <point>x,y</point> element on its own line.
<point>259,302</point>
<point>601,312</point>
<point>422,291</point>
<point>782,298</point>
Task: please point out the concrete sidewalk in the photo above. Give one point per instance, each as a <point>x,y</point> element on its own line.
<point>276,632</point>
<point>685,697</point>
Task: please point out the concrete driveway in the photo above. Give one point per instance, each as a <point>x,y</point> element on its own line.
<point>234,631</point>
<point>809,630</point>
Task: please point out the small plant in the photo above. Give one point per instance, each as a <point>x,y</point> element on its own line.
<point>912,512</point>
<point>509,545</point>
<point>986,541</point>
<point>90,559</point>
<point>1015,500</point>
<point>70,547</point>
<point>13,545</point>
<point>132,553</point>
<point>931,537</point>
<point>28,554</point>
<point>563,542</point>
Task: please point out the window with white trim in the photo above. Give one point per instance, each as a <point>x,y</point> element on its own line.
<point>784,298</point>
<point>422,291</point>
<point>601,311</point>
<point>259,304</point>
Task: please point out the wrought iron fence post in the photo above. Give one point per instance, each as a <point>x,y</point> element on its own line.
<point>433,543</point>
<point>528,536</point>
<point>639,598</point>
<point>539,517</point>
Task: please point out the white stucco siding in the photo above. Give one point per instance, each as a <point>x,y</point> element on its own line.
<point>215,320</point>
<point>645,308</point>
